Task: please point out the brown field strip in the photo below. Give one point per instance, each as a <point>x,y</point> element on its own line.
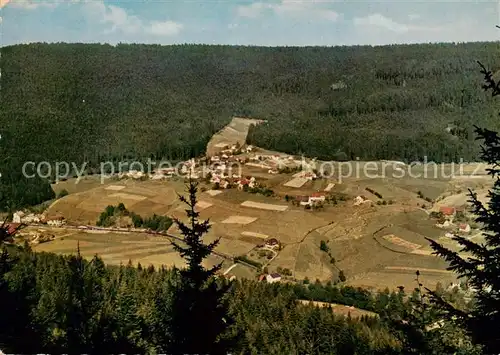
<point>143,254</point>
<point>239,220</point>
<point>213,192</point>
<point>122,253</point>
<point>404,268</point>
<point>264,206</point>
<point>114,187</point>
<point>255,235</point>
<point>126,196</point>
<point>401,242</point>
<point>296,182</point>
<point>341,309</point>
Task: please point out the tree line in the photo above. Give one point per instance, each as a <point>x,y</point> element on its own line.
<point>120,216</point>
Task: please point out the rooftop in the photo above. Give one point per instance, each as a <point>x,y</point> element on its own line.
<point>447,210</point>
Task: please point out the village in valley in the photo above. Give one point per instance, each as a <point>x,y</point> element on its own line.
<point>278,217</point>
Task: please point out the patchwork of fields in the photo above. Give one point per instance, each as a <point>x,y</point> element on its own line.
<point>118,248</point>
<point>378,244</point>
<point>375,245</point>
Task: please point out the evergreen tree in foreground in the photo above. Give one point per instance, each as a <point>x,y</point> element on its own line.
<point>482,269</point>
<point>198,316</point>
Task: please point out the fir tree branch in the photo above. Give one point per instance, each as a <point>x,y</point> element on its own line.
<point>490,84</point>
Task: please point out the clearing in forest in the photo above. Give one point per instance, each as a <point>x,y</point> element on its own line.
<point>234,133</point>
<point>341,309</point>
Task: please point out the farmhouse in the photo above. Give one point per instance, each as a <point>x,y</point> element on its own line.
<point>246,182</point>
<point>135,174</point>
<point>448,212</point>
<point>274,277</point>
<point>167,172</point>
<point>317,197</point>
<point>12,228</point>
<point>249,149</point>
<point>445,224</point>
<point>57,221</point>
<point>303,200</point>
<point>16,218</point>
<point>27,218</point>
<point>272,243</point>
<point>308,175</point>
<point>225,184</point>
<point>215,158</point>
<point>243,182</point>
<point>464,228</point>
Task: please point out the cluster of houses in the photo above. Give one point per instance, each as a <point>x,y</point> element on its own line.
<point>235,180</point>
<point>21,217</point>
<point>133,174</point>
<point>275,162</point>
<point>222,160</point>
<point>234,149</point>
<point>270,278</point>
<point>449,214</point>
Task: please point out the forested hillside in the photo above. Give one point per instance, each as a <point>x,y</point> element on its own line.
<point>75,306</point>
<point>78,102</point>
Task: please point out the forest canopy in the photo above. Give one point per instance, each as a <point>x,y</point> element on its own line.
<point>93,102</point>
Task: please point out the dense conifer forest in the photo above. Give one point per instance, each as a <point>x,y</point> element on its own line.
<point>92,102</point>
<point>67,304</point>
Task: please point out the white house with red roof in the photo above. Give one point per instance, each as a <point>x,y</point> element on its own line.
<point>250,182</point>
<point>272,278</point>
<point>317,197</point>
<point>464,228</point>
